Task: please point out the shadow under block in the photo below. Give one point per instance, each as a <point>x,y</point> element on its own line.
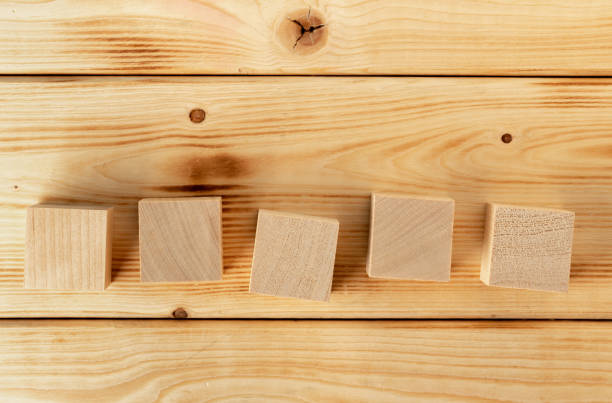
<point>526,247</point>
<point>68,247</point>
<point>180,239</point>
<point>294,255</point>
<point>410,237</point>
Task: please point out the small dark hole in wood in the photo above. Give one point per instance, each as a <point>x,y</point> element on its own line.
<point>506,138</point>
<point>180,313</point>
<point>197,115</point>
<point>15,187</point>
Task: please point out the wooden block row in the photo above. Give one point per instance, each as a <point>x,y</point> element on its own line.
<point>524,247</point>
<point>69,247</point>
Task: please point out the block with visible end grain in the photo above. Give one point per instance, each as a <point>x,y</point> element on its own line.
<point>294,255</point>
<point>410,237</point>
<point>527,247</point>
<point>68,247</point>
<point>180,239</point>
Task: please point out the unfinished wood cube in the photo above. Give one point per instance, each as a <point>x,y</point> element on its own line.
<point>68,247</point>
<point>410,237</point>
<point>526,247</point>
<point>180,239</point>
<point>294,255</point>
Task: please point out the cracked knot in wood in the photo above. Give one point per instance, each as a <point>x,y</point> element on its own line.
<point>68,247</point>
<point>294,255</point>
<point>527,247</point>
<point>303,32</point>
<point>180,239</point>
<point>410,237</point>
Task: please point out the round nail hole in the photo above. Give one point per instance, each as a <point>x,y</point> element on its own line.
<point>506,138</point>
<point>179,313</point>
<point>197,115</point>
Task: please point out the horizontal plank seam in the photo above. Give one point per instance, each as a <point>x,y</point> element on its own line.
<point>2,75</point>
<point>80,318</point>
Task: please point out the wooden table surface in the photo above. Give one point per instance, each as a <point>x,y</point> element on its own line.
<point>114,140</point>
<point>405,96</point>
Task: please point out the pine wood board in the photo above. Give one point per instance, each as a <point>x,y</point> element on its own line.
<point>441,37</point>
<point>304,361</point>
<point>316,146</point>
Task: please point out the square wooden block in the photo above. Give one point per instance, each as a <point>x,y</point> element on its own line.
<point>68,247</point>
<point>180,239</point>
<point>527,247</point>
<point>410,237</point>
<point>294,255</point>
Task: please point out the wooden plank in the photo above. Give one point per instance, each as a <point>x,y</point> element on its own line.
<point>316,146</point>
<point>313,361</point>
<point>465,37</point>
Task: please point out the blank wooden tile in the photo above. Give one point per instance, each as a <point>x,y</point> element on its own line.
<point>410,237</point>
<point>180,239</point>
<point>527,247</point>
<point>294,255</point>
<point>68,247</point>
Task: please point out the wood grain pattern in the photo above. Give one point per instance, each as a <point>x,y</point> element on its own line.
<point>294,255</point>
<point>527,247</point>
<point>466,37</point>
<point>317,146</point>
<point>410,237</point>
<point>180,239</point>
<point>68,247</point>
<point>305,361</point>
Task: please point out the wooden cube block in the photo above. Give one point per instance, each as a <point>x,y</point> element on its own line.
<point>527,247</point>
<point>180,239</point>
<point>410,237</point>
<point>68,247</point>
<point>294,255</point>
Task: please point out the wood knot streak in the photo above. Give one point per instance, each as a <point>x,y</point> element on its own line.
<point>219,166</point>
<point>303,31</point>
<point>197,173</point>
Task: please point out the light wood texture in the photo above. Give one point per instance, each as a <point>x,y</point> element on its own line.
<point>294,255</point>
<point>180,239</point>
<point>316,146</point>
<point>68,247</point>
<point>305,361</point>
<point>410,237</point>
<point>465,37</point>
<point>527,247</point>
